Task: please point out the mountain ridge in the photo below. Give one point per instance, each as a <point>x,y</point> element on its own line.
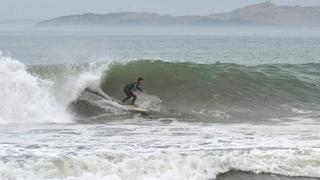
<point>262,14</point>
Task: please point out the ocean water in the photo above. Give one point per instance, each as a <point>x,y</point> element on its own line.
<point>220,107</point>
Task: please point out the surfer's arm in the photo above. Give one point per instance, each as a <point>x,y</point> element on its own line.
<point>139,88</point>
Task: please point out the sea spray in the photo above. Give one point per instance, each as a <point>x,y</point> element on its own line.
<point>26,98</point>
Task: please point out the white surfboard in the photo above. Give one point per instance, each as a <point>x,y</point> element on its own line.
<point>137,109</point>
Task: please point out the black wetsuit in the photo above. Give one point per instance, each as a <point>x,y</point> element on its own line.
<point>129,89</point>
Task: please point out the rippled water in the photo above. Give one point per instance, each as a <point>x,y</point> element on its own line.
<point>55,48</point>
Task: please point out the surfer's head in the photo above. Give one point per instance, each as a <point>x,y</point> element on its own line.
<point>140,80</point>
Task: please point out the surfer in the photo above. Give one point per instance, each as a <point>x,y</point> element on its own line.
<point>130,88</point>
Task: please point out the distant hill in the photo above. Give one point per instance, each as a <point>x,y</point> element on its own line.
<point>263,14</point>
<point>268,13</point>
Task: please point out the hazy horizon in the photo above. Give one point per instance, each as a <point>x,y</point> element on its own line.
<point>39,10</point>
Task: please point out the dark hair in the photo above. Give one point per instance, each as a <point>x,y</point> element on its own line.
<point>140,79</point>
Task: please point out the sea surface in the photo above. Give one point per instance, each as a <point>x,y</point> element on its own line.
<point>219,107</point>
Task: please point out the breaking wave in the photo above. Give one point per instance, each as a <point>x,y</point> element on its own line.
<point>26,98</point>
<point>223,90</point>
<point>45,93</point>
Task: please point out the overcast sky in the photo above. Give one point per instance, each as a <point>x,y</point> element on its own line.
<point>44,9</point>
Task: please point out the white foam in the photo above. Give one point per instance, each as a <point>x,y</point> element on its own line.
<point>148,102</point>
<point>26,98</point>
<point>156,150</point>
<point>197,166</point>
<point>74,84</point>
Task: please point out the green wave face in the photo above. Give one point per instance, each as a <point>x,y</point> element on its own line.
<point>234,89</point>
<point>203,90</point>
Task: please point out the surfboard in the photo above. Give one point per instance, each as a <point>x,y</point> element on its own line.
<point>137,109</point>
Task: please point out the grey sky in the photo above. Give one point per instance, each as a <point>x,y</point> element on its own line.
<point>43,9</point>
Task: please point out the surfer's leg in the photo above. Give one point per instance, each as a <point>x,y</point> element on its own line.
<point>134,98</point>
<point>128,97</point>
<point>125,99</point>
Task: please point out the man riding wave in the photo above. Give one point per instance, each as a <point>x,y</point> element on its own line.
<point>130,88</point>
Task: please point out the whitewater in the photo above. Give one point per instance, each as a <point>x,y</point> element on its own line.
<point>210,119</point>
